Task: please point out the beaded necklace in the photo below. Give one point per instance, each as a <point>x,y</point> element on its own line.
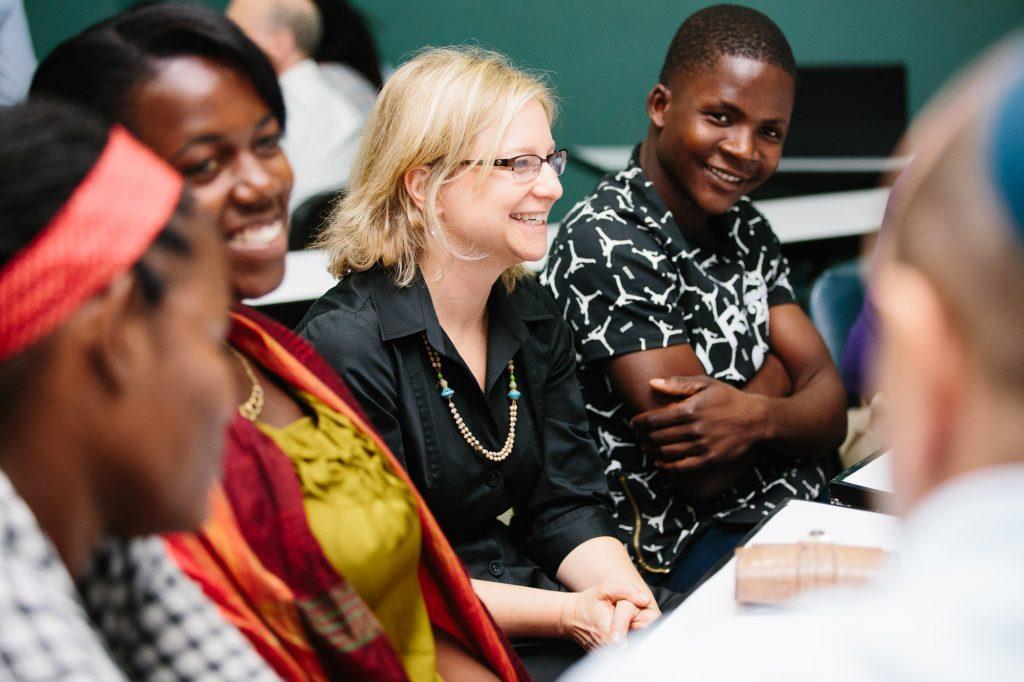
<point>447,392</point>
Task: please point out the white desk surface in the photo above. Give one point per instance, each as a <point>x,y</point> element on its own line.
<point>305,279</point>
<point>825,216</point>
<point>875,475</point>
<point>794,219</point>
<point>612,157</point>
<point>716,597</point>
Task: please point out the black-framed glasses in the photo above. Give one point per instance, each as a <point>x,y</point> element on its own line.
<point>526,167</point>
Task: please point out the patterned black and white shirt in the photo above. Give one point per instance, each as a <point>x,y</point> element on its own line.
<point>133,615</point>
<point>628,279</point>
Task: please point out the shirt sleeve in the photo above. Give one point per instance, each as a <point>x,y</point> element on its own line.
<point>348,344</point>
<point>569,504</point>
<point>17,59</point>
<point>616,287</point>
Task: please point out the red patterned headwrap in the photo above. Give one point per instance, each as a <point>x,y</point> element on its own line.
<point>108,223</point>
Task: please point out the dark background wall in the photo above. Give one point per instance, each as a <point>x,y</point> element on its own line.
<point>603,55</point>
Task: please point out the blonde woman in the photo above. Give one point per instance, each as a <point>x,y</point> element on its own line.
<point>463,362</point>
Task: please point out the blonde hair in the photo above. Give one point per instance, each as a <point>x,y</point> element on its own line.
<point>430,112</point>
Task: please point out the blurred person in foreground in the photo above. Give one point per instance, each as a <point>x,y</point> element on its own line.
<point>949,292</point>
<point>114,396</point>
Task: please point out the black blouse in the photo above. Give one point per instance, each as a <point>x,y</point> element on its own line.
<point>372,331</point>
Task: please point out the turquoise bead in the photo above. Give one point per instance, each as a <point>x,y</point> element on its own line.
<point>447,392</point>
<point>514,394</point>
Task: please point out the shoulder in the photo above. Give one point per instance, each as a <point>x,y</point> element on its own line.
<point>345,316</point>
<point>534,300</point>
<point>348,300</point>
<point>615,205</point>
<point>753,224</point>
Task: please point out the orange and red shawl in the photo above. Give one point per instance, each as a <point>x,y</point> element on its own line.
<point>258,560</point>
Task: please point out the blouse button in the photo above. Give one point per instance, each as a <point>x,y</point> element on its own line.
<point>493,479</point>
<point>496,568</point>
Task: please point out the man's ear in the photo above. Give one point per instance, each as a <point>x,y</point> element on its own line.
<point>659,99</point>
<point>924,366</point>
<point>280,47</point>
<point>415,180</point>
<point>115,331</point>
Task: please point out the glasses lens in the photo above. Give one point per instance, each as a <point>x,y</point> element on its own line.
<point>558,160</point>
<point>526,167</point>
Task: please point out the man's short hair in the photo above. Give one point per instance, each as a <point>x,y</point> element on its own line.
<point>726,30</point>
<point>303,20</point>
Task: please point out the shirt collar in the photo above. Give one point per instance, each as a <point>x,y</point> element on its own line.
<point>405,310</point>
<point>299,72</point>
<point>633,175</point>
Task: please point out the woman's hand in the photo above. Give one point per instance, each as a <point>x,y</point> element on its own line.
<point>605,612</point>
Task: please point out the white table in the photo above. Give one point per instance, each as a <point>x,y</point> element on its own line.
<point>875,475</point>
<point>825,216</point>
<point>306,277</point>
<point>791,523</point>
<point>866,485</point>
<point>608,158</point>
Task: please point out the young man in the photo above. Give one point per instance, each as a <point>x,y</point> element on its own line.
<point>667,270</point>
<point>949,292</point>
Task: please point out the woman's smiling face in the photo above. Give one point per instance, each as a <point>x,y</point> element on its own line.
<point>208,121</point>
<point>504,219</point>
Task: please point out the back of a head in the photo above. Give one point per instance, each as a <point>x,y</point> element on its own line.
<point>430,112</point>
<point>960,223</point>
<point>726,30</point>
<point>46,149</point>
<point>302,19</point>
<point>100,67</point>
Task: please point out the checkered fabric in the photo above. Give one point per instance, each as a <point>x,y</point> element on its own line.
<point>134,615</point>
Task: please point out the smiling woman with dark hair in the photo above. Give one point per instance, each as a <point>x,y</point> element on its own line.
<point>318,548</point>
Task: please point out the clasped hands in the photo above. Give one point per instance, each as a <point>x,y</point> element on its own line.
<point>711,423</point>
<point>604,613</point>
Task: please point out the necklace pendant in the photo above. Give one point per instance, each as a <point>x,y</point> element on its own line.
<point>514,394</point>
<point>445,391</point>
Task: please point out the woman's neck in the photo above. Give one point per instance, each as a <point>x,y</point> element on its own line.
<point>48,480</point>
<point>459,291</point>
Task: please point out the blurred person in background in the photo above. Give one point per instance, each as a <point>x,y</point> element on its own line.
<point>17,59</point>
<point>325,122</point>
<point>348,53</point>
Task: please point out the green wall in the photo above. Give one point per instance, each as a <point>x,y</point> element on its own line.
<point>603,55</point>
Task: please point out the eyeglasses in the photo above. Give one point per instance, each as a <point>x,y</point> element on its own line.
<point>526,167</point>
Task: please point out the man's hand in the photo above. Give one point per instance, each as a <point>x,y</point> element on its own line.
<point>605,612</point>
<point>713,424</point>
